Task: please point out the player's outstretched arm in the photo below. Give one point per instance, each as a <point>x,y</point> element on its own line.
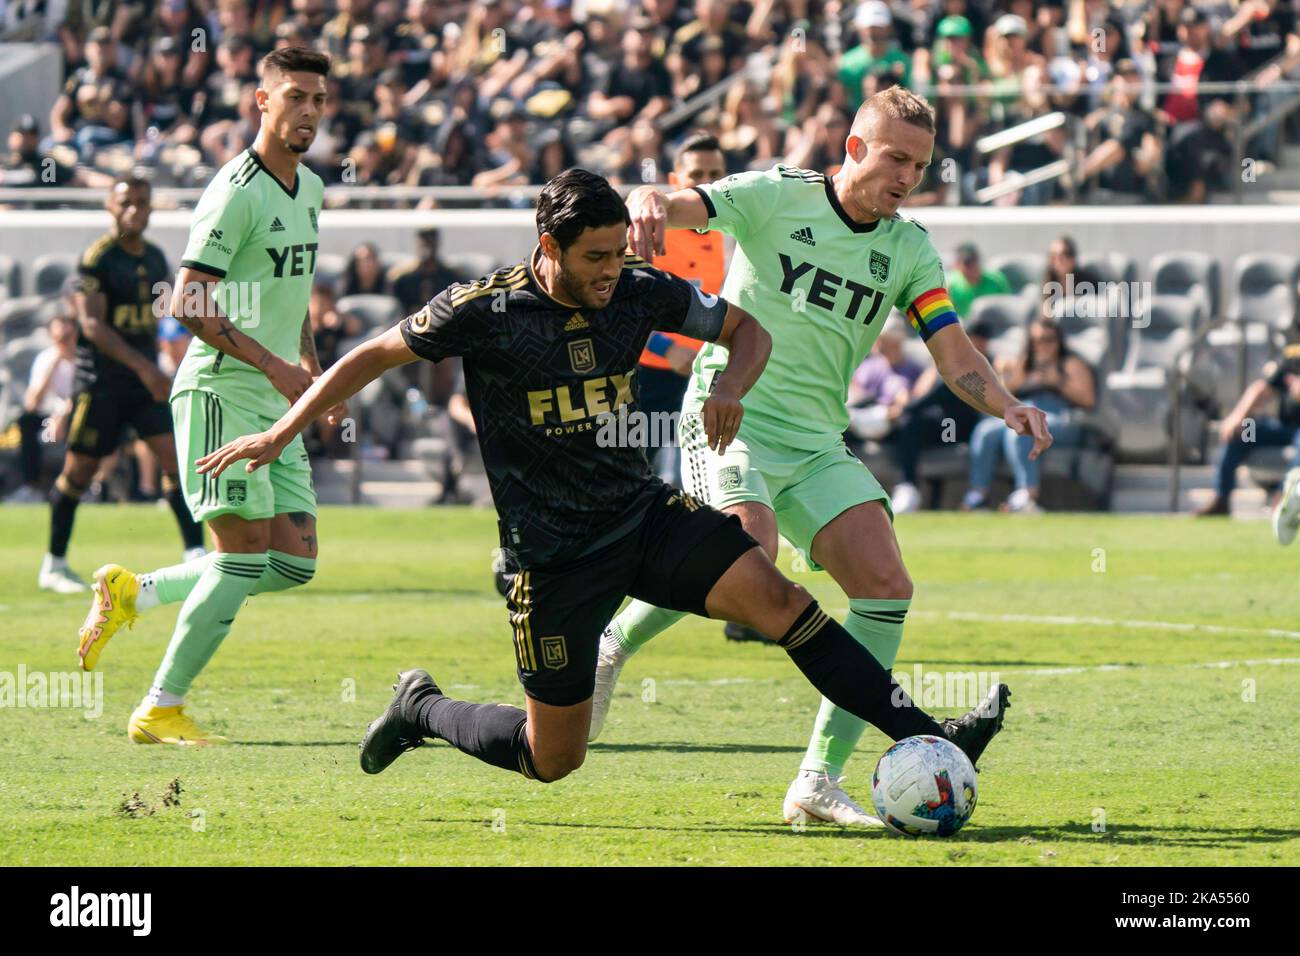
<point>971,378</point>
<point>748,347</point>
<point>194,308</point>
<point>653,213</point>
<point>345,378</point>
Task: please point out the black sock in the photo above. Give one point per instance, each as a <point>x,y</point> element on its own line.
<point>64,499</point>
<point>191,530</point>
<point>846,673</point>
<point>494,733</point>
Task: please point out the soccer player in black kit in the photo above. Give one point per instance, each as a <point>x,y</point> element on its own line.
<point>550,346</point>
<point>118,382</point>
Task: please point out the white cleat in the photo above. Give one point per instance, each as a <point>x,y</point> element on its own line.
<point>1286,516</point>
<point>819,796</point>
<point>61,580</point>
<point>609,664</point>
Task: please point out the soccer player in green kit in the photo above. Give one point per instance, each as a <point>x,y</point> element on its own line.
<point>243,290</point>
<point>819,261</point>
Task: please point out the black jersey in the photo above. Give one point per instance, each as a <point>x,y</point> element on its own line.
<point>128,284</point>
<point>542,379</point>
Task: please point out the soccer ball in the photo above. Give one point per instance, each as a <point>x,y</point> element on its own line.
<point>924,786</point>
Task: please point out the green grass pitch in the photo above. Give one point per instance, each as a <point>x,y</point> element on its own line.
<point>1179,739</point>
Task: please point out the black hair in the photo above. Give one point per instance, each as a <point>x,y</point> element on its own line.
<point>697,142</point>
<point>133,182</point>
<point>296,59</point>
<point>577,200</point>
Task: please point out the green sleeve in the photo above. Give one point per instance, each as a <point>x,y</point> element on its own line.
<point>740,204</point>
<point>220,224</point>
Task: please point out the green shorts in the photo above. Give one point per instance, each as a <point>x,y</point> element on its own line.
<point>806,490</point>
<point>204,422</point>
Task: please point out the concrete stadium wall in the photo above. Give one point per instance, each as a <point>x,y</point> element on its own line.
<point>1139,231</point>
<point>31,76</point>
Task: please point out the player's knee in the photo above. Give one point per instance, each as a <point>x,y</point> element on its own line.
<point>80,473</point>
<point>787,598</point>
<point>558,766</point>
<point>890,584</point>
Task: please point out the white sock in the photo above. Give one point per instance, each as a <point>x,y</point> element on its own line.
<point>157,697</point>
<point>51,563</point>
<point>148,596</point>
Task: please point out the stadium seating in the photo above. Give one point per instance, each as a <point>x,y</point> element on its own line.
<point>1187,273</point>
<point>1140,389</point>
<point>19,317</point>
<point>1020,269</point>
<point>11,276</point>
<point>1008,318</point>
<point>49,272</point>
<point>376,311</point>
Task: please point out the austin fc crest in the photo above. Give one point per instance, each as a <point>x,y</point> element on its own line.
<point>879,265</point>
<point>582,356</point>
<point>236,492</point>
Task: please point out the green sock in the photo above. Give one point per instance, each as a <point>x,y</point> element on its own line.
<point>641,621</point>
<point>284,571</point>
<point>206,617</point>
<point>169,585</point>
<point>878,626</point>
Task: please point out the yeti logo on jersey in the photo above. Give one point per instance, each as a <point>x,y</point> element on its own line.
<point>555,654</point>
<point>582,356</point>
<point>825,289</point>
<point>300,259</point>
<point>729,478</point>
<point>879,266</point>
<point>236,492</point>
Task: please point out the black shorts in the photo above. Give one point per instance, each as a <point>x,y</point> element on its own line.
<point>671,559</point>
<point>101,415</point>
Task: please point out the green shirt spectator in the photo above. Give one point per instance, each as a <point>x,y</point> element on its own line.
<point>969,281</point>
<point>877,53</point>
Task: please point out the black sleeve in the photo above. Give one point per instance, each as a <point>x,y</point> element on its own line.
<point>1275,374</point>
<point>683,308</point>
<point>441,329</point>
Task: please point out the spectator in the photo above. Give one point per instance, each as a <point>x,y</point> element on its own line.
<point>1065,281</point>
<point>165,103</point>
<point>1049,376</point>
<point>936,415</point>
<point>970,280</point>
<point>1199,155</point>
<point>26,166</point>
<point>329,326</point>
<point>876,53</point>
<point>1240,433</point>
<point>418,282</point>
<point>364,273</point>
<point>881,386</point>
<point>173,340</point>
<point>1128,158</point>
<point>1197,59</point>
<point>639,87</point>
<point>46,404</point>
<point>957,64</point>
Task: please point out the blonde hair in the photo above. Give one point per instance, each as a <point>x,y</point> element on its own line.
<point>895,103</point>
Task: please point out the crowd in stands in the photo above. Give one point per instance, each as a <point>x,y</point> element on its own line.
<point>500,93</point>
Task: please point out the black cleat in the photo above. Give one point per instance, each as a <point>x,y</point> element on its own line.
<point>739,632</point>
<point>390,735</point>
<point>973,731</point>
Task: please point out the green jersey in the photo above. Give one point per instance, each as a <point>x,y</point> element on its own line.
<point>822,285</point>
<point>259,238</point>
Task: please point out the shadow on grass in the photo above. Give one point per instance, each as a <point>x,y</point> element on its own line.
<point>296,743</point>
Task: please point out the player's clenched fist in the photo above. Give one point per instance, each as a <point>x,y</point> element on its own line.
<point>721,414</point>
<point>649,213</point>
<point>260,449</point>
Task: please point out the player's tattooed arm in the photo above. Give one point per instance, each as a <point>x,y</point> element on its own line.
<point>969,374</point>
<point>194,307</point>
<point>309,359</point>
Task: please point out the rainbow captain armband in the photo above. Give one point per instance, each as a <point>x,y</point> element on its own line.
<point>931,311</point>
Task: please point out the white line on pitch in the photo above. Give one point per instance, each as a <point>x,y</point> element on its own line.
<point>1107,622</point>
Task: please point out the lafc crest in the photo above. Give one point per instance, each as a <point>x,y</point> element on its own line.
<point>582,355</point>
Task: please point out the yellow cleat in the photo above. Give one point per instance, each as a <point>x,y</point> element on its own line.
<point>115,590</point>
<point>168,725</point>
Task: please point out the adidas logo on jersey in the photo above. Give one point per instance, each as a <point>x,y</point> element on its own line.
<point>804,235</point>
<point>277,225</point>
<point>575,323</point>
